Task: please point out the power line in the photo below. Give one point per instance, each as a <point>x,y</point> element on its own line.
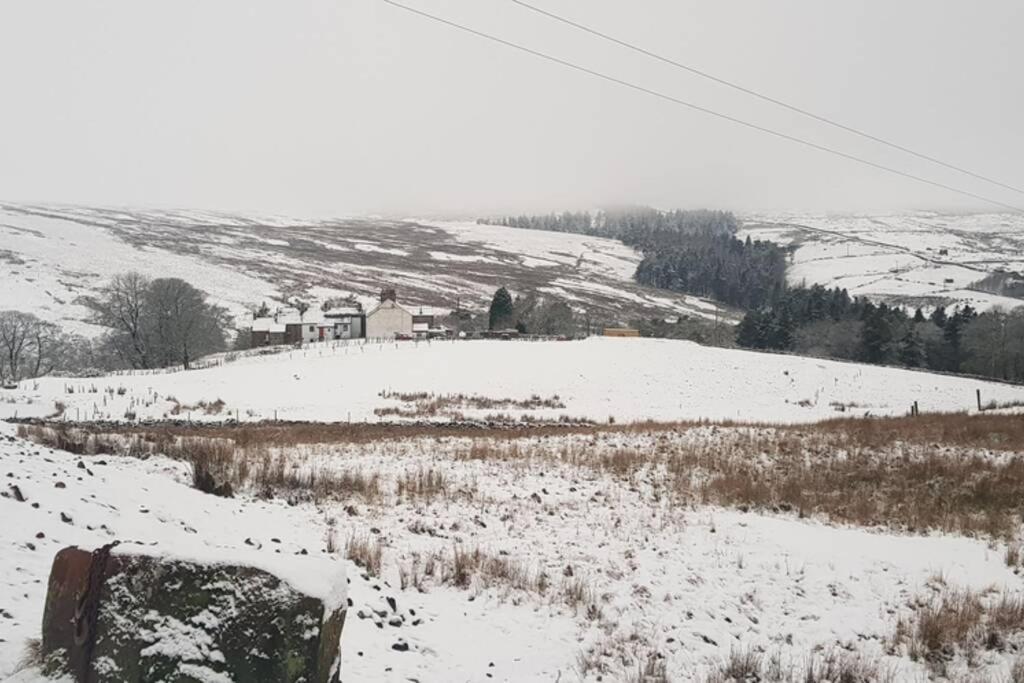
<point>762,96</point>
<point>695,107</point>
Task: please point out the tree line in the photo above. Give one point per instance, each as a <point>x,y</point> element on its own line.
<point>693,252</point>
<point>530,314</point>
<point>158,322</point>
<point>151,323</point>
<point>817,321</point>
<point>622,223</point>
<point>30,347</point>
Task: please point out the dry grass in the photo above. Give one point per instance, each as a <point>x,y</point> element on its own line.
<point>429,405</point>
<point>830,666</point>
<point>650,669</point>
<point>474,568</point>
<point>914,474</point>
<point>838,666</point>
<point>422,483</point>
<point>31,657</point>
<point>960,622</point>
<point>1013,555</point>
<point>219,465</point>
<point>365,551</point>
<point>741,665</point>
<point>1017,670</point>
<point>912,489</point>
<point>278,476</point>
<point>1000,432</point>
<point>207,408</point>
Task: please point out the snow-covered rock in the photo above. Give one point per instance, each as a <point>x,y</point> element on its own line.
<point>118,614</point>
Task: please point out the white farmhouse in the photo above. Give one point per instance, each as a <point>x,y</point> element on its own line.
<point>388,319</point>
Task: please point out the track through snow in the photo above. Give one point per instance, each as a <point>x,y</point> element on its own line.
<point>598,378</point>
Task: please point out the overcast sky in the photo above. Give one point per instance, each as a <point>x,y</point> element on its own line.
<point>354,106</point>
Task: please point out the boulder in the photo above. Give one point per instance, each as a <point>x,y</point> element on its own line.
<point>135,615</point>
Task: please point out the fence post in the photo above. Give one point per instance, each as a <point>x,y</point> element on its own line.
<point>979,400</point>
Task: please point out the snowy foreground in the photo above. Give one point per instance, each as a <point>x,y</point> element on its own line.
<point>595,379</point>
<point>630,576</point>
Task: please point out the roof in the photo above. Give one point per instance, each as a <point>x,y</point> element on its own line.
<point>341,312</point>
<point>390,304</point>
<point>420,327</point>
<point>430,310</point>
<point>267,325</point>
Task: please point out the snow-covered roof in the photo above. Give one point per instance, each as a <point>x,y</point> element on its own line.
<point>429,310</point>
<point>420,327</point>
<point>342,312</point>
<point>393,303</point>
<point>267,325</point>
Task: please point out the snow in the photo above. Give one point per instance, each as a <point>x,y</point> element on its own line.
<point>915,259</point>
<point>64,260</point>
<point>693,582</point>
<point>544,248</point>
<point>149,506</point>
<point>597,378</point>
<point>53,256</point>
<point>316,577</point>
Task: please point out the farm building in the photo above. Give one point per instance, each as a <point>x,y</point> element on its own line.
<point>388,319</point>
<point>267,332</point>
<point>621,332</point>
<point>344,323</point>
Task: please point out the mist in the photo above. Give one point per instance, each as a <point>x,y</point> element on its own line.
<point>356,107</point>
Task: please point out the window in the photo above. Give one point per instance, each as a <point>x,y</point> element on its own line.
<point>312,328</point>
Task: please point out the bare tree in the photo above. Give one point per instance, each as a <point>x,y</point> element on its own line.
<point>121,306</point>
<point>159,322</point>
<point>181,325</point>
<point>28,346</point>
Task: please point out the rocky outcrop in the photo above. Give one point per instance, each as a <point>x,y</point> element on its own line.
<point>135,617</point>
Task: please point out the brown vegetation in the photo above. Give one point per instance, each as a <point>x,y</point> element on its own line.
<point>914,474</point>
<point>366,552</point>
<point>428,405</point>
<point>829,666</point>
<point>960,622</point>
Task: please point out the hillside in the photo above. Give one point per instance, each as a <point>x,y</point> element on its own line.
<point>52,256</point>
<point>595,379</point>
<point>918,259</point>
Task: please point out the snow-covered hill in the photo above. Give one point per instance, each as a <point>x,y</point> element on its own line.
<point>918,259</point>
<point>52,256</point>
<point>597,379</point>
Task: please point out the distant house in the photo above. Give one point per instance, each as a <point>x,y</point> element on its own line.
<point>347,322</point>
<point>267,332</point>
<point>621,332</point>
<point>388,319</point>
<point>289,327</point>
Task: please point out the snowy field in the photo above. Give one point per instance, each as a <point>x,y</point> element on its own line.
<point>596,379</point>
<point>918,259</point>
<point>589,572</point>
<point>53,257</point>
